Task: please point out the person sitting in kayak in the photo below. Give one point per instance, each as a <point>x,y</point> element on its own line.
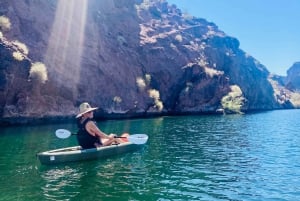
<point>89,135</point>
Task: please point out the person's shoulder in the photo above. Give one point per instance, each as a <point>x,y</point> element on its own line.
<point>91,122</point>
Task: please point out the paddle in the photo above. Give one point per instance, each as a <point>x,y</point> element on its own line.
<point>135,138</point>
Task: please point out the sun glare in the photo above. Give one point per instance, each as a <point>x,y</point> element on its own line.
<point>65,46</point>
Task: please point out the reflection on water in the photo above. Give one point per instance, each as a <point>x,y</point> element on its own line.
<point>59,181</point>
<point>235,157</point>
<point>112,178</point>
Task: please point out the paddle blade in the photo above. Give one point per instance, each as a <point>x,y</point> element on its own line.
<point>62,133</point>
<point>138,138</point>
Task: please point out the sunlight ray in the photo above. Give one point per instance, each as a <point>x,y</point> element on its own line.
<point>65,46</point>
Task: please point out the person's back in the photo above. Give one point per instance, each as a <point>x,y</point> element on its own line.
<point>85,140</point>
<point>89,135</point>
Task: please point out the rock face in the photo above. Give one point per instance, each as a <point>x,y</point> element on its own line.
<point>293,77</point>
<point>128,57</point>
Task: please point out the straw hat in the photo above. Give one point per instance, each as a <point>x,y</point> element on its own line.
<point>85,108</point>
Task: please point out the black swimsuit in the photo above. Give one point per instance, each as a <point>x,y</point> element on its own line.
<point>86,140</point>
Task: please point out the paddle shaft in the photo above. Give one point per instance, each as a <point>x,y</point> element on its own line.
<point>135,138</point>
<point>114,137</point>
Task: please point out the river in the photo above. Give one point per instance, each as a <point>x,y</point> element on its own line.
<point>252,157</point>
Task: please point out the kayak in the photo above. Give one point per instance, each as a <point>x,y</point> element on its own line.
<point>76,153</point>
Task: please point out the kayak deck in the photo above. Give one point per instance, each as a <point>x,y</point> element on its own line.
<point>76,153</point>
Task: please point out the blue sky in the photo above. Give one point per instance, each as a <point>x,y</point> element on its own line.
<point>269,30</point>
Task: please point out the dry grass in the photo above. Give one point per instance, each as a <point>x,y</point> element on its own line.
<point>159,105</point>
<point>21,46</point>
<point>144,84</point>
<point>148,79</point>
<point>117,99</point>
<point>234,100</point>
<point>4,23</point>
<point>212,72</point>
<point>18,56</point>
<point>141,84</point>
<point>295,99</point>
<point>156,96</point>
<point>178,38</point>
<point>38,72</point>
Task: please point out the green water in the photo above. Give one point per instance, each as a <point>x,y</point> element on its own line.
<point>232,157</point>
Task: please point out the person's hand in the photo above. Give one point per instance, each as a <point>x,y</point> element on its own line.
<point>112,135</point>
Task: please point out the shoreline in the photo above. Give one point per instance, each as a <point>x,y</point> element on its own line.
<point>44,120</point>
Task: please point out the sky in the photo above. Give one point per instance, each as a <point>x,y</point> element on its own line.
<point>268,30</point>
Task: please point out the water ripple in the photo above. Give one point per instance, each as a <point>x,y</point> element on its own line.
<point>225,158</point>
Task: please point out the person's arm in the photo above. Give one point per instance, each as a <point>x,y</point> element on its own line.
<point>95,131</point>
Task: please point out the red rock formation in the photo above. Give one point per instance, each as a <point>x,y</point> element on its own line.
<point>127,57</point>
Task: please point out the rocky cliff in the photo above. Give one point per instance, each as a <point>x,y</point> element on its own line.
<point>128,57</point>
<point>292,81</point>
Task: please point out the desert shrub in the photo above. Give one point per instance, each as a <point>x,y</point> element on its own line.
<point>212,72</point>
<point>117,99</point>
<point>234,100</point>
<point>148,79</point>
<point>188,86</point>
<point>202,62</point>
<point>38,72</point>
<point>178,38</point>
<point>154,94</point>
<point>21,46</point>
<point>173,46</point>
<point>1,36</point>
<point>140,82</point>
<point>159,105</point>
<point>295,99</point>
<point>18,56</point>
<point>4,23</point>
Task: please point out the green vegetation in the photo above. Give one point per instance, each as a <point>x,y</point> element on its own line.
<point>38,72</point>
<point>234,100</point>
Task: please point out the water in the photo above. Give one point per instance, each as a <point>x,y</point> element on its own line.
<point>251,157</point>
